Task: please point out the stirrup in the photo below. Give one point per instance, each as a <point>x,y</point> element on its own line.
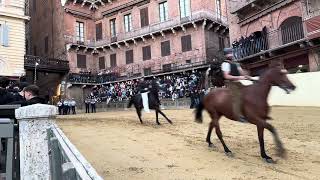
<point>243,119</point>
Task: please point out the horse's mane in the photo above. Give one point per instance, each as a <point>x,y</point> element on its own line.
<point>269,71</point>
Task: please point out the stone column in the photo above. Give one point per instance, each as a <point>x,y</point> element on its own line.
<point>34,121</point>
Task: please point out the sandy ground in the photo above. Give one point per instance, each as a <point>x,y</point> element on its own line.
<point>119,147</point>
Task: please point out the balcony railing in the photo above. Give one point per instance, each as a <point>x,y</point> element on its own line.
<point>239,4</point>
<point>272,40</point>
<point>46,63</point>
<point>157,66</point>
<point>152,28</point>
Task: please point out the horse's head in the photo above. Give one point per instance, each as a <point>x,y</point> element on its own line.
<point>278,77</point>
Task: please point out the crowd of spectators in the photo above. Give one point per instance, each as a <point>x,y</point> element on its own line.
<point>250,45</point>
<point>19,93</point>
<point>88,77</point>
<point>173,86</point>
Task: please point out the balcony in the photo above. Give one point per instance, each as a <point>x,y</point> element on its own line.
<point>46,64</point>
<point>268,42</point>
<point>156,66</point>
<point>152,29</point>
<point>237,6</point>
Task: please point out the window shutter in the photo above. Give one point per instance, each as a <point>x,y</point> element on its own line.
<point>165,48</point>
<point>81,61</point>
<point>146,52</point>
<point>186,43</point>
<point>113,60</point>
<point>102,63</point>
<point>144,17</point>
<point>99,31</point>
<point>5,35</point>
<point>129,57</point>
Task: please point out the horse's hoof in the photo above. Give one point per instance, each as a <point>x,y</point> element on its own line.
<point>170,122</point>
<point>210,145</point>
<point>269,160</point>
<point>159,124</point>
<point>282,153</point>
<point>229,154</point>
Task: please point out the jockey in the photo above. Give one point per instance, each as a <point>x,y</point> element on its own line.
<point>142,86</point>
<point>232,73</point>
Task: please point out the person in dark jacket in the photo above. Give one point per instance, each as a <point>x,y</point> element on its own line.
<point>16,92</point>
<point>31,95</point>
<point>5,96</point>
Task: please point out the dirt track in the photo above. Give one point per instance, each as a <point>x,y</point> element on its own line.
<point>119,147</point>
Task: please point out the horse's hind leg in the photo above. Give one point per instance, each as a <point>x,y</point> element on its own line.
<point>164,115</point>
<point>157,119</point>
<point>211,126</point>
<point>219,134</point>
<point>139,114</point>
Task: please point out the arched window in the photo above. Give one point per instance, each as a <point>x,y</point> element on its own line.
<point>291,29</point>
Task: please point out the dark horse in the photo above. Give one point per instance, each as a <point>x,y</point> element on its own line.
<point>136,100</point>
<point>254,107</point>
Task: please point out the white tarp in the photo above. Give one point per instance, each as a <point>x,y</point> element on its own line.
<point>145,102</point>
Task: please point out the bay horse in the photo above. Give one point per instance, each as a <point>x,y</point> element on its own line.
<point>136,100</point>
<point>254,108</point>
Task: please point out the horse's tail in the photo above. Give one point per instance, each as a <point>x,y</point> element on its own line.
<point>130,102</point>
<point>198,111</point>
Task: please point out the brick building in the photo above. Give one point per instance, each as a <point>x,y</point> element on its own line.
<point>267,31</point>
<point>128,38</point>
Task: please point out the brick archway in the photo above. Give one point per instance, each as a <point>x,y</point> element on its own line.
<point>290,11</point>
<point>253,27</point>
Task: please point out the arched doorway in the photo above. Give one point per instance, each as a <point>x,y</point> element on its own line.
<point>291,29</point>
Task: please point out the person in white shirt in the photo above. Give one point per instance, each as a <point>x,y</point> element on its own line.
<point>73,105</point>
<point>59,104</point>
<point>232,73</point>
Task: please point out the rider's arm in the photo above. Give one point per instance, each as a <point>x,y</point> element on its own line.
<point>230,77</point>
<point>226,73</point>
<point>244,73</point>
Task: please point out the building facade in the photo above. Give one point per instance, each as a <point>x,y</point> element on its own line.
<point>268,31</point>
<point>12,37</point>
<point>129,38</point>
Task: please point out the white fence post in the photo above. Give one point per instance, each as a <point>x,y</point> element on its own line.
<point>34,121</point>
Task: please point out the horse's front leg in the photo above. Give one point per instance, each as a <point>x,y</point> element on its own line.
<point>280,149</point>
<point>261,141</point>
